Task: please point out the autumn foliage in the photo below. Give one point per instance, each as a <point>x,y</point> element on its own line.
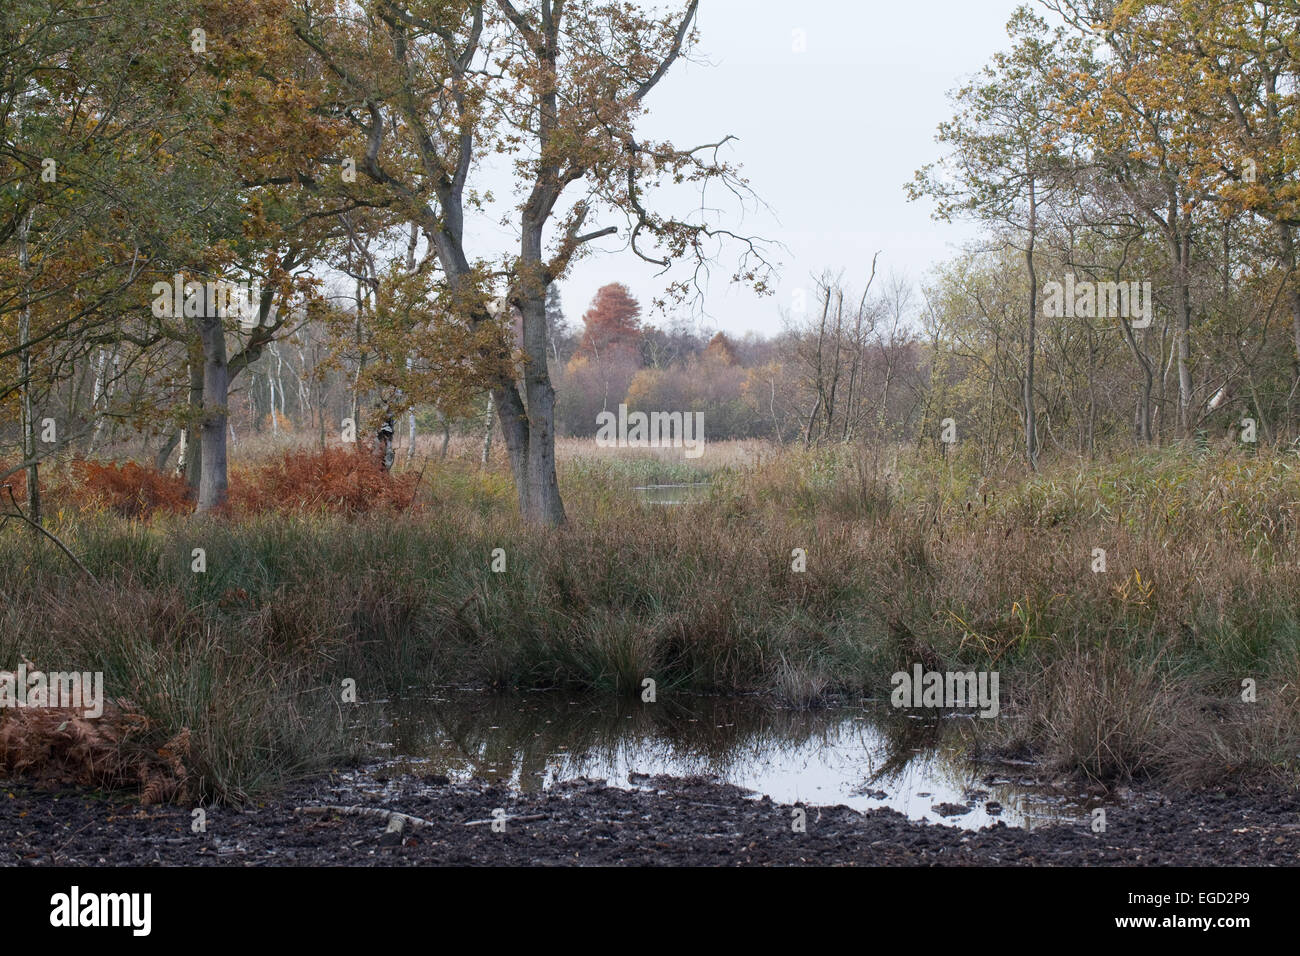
<point>131,490</point>
<point>59,746</point>
<point>612,323</point>
<point>334,479</point>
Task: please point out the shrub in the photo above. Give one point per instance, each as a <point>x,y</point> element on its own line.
<point>130,490</point>
<point>332,479</point>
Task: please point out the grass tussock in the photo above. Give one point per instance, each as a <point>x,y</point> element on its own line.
<point>1133,670</point>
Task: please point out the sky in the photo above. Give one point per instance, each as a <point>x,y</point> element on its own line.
<point>827,136</point>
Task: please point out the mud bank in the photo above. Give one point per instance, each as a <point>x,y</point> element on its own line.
<point>665,821</point>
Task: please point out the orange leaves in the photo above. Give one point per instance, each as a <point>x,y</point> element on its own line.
<point>337,479</point>
<point>59,746</point>
<point>132,490</point>
<point>341,480</point>
<point>612,322</point>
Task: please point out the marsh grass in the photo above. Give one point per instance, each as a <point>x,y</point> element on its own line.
<point>1135,671</point>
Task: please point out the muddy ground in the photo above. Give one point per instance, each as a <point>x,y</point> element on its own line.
<point>667,821</point>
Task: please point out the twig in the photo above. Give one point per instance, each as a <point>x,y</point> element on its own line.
<point>456,615</point>
<point>418,479</point>
<point>530,818</point>
<point>394,819</point>
<point>69,840</point>
<point>18,513</point>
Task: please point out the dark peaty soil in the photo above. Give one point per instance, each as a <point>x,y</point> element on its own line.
<point>670,821</point>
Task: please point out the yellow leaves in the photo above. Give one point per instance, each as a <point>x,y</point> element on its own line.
<point>1135,592</point>
<point>986,644</point>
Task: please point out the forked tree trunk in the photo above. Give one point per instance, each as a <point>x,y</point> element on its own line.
<point>530,433</point>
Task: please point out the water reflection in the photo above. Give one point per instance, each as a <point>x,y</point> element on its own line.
<point>679,494</point>
<point>855,756</point>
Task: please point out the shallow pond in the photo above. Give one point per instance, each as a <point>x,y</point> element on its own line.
<point>679,494</point>
<point>851,756</point>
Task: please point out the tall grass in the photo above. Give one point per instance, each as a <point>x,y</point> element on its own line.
<point>1137,670</point>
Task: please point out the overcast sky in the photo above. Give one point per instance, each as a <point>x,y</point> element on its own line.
<point>827,137</point>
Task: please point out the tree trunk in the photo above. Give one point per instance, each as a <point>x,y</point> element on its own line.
<point>1180,250</point>
<point>489,417</point>
<point>446,432</point>
<point>165,452</point>
<point>191,450</point>
<point>544,503</point>
<point>812,419</point>
<point>361,363</point>
<point>530,432</point>
<point>509,408</point>
<point>212,429</point>
<point>96,395</point>
<point>1287,236</point>
<point>1031,419</point>
<point>1144,396</point>
<point>25,374</point>
<point>270,381</point>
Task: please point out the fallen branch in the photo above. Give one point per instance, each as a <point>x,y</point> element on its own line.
<point>1012,763</point>
<point>18,513</point>
<point>395,820</point>
<point>530,818</point>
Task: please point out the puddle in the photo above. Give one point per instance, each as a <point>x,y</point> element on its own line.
<point>833,756</point>
<point>672,494</point>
